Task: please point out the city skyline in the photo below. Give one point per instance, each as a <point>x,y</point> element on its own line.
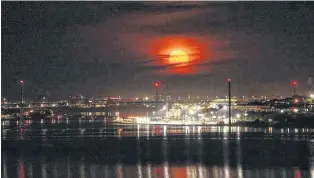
<point>107,48</point>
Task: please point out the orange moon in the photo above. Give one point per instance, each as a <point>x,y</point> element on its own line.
<point>178,57</point>
<point>182,53</point>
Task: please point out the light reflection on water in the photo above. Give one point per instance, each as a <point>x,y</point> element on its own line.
<point>152,131</point>
<point>141,170</point>
<point>311,157</point>
<point>159,153</point>
<point>239,156</point>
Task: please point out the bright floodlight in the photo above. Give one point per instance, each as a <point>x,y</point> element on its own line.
<point>238,116</point>
<point>312,95</point>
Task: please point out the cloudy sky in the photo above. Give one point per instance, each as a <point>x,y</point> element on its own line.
<point>107,48</point>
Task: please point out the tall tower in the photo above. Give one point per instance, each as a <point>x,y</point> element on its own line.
<point>156,84</point>
<point>294,84</point>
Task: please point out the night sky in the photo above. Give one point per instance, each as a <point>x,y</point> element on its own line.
<point>112,48</point>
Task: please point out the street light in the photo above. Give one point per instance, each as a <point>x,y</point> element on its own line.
<point>229,101</point>
<point>21,103</point>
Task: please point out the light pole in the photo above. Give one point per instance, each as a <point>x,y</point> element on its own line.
<point>156,85</point>
<point>229,101</point>
<point>294,83</point>
<point>47,99</point>
<point>21,104</point>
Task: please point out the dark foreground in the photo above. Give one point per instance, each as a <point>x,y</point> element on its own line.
<point>93,150</point>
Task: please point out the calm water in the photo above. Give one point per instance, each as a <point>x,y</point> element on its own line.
<point>89,150</point>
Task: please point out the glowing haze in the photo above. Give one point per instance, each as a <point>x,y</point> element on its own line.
<point>181,54</point>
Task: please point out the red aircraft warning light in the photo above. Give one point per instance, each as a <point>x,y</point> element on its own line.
<point>229,79</point>
<point>294,84</point>
<point>156,84</point>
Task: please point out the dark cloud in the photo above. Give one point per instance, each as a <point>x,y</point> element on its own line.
<point>101,48</point>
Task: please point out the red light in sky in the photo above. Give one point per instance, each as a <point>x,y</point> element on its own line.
<point>22,82</point>
<point>294,83</point>
<point>156,84</point>
<point>229,79</point>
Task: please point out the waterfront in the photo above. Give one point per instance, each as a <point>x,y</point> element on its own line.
<point>165,90</point>
<point>95,149</point>
<point>162,115</point>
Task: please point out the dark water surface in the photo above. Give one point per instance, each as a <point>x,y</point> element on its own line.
<point>92,150</point>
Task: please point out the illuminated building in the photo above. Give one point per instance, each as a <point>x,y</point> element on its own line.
<point>222,102</point>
